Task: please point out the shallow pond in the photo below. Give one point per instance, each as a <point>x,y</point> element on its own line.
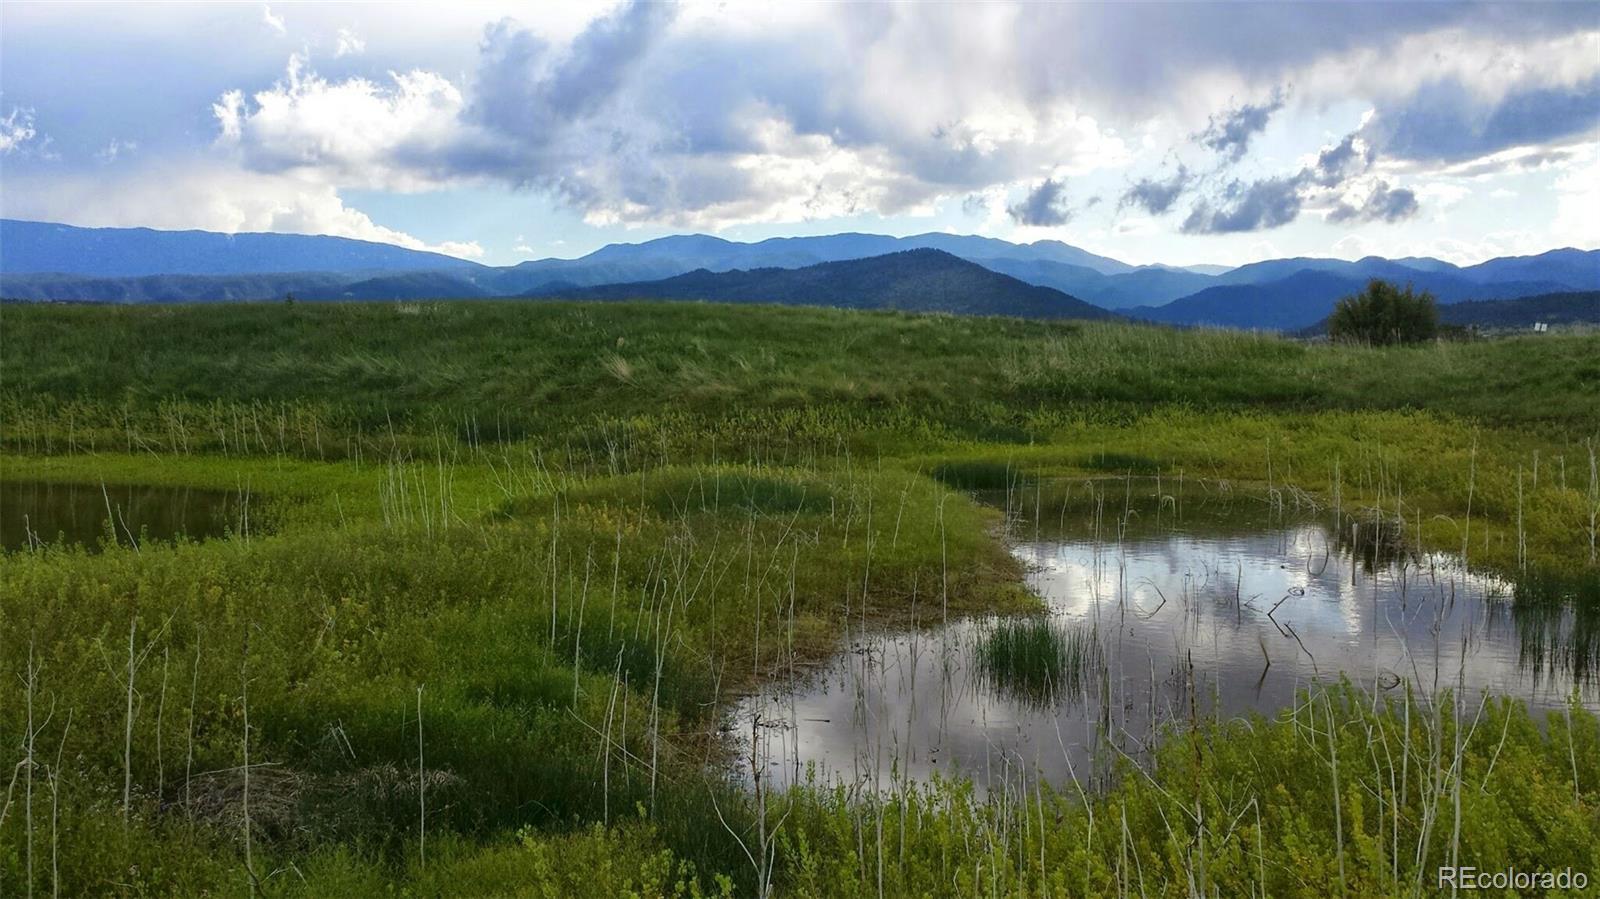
<point>1222,610</point>
<point>35,513</point>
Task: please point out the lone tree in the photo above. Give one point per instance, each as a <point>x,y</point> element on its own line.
<point>1384,314</point>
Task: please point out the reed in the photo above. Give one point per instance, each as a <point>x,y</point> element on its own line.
<point>1038,661</point>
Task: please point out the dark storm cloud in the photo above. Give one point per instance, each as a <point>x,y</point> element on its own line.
<point>1274,202</point>
<point>1382,205</point>
<point>526,89</point>
<point>569,119</point>
<point>1339,162</point>
<point>1259,205</point>
<point>1130,55</point>
<point>1230,133</point>
<point>1156,196</point>
<point>1045,205</point>
<point>1446,121</point>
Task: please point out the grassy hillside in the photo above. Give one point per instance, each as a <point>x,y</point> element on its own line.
<point>541,367</point>
<point>923,280</point>
<point>508,561</point>
<point>173,288</point>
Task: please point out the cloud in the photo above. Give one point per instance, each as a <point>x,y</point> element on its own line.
<point>272,21</point>
<point>200,194</point>
<point>1469,90</point>
<point>16,129</point>
<point>1196,56</point>
<point>1230,134</point>
<point>1268,203</point>
<point>647,117</point>
<point>707,116</point>
<point>1443,195</point>
<point>526,88</point>
<point>1517,159</point>
<point>355,133</point>
<point>464,249</point>
<point>1045,206</point>
<point>1447,121</point>
<point>349,44</point>
<point>702,117</point>
<point>1383,204</point>
<point>114,150</point>
<point>1342,161</point>
<point>1154,196</point>
<point>1274,202</point>
<point>1577,197</point>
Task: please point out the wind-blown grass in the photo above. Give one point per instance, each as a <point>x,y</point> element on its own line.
<point>499,370</point>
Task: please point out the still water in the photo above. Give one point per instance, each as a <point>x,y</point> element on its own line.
<point>1219,611</point>
<point>34,514</point>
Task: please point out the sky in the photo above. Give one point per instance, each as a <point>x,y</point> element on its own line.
<point>1175,133</point>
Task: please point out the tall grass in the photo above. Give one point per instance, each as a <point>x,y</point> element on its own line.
<point>344,379</point>
<point>1038,661</point>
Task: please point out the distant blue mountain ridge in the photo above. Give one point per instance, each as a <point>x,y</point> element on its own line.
<point>917,280</point>
<point>42,247</point>
<point>44,261</point>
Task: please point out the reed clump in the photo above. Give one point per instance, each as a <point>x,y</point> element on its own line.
<point>1037,660</point>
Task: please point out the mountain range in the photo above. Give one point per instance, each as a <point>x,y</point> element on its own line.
<point>134,252</point>
<point>44,261</point>
<point>921,280</point>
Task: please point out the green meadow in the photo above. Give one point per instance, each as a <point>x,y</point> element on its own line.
<point>497,570</point>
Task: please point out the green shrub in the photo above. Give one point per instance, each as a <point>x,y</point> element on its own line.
<point>1384,314</point>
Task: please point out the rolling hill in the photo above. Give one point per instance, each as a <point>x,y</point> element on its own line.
<point>922,280</point>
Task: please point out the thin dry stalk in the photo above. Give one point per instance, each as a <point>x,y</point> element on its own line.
<point>422,791</point>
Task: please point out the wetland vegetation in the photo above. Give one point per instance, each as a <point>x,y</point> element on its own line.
<point>519,578</point>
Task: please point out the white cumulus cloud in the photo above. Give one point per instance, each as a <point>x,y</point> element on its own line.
<point>354,133</point>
